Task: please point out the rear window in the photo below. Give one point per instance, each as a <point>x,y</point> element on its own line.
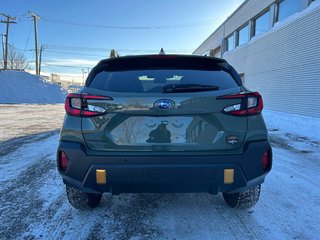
<point>152,81</point>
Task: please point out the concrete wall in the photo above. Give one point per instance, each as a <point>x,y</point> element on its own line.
<point>283,64</point>
<point>243,14</point>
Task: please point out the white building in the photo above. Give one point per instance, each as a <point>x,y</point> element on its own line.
<point>275,46</point>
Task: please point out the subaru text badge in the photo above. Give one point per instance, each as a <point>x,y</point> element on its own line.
<point>164,104</point>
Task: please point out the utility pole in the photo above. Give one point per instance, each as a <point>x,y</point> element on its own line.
<point>35,18</point>
<point>2,44</point>
<point>8,22</point>
<point>40,59</point>
<point>83,72</point>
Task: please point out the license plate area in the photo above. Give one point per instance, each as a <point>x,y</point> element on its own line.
<point>159,130</point>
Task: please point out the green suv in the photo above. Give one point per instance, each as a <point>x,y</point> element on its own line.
<point>163,124</point>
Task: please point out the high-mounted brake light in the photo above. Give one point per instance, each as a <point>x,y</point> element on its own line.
<point>251,104</point>
<point>77,105</point>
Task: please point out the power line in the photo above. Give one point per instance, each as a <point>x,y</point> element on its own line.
<point>67,66</point>
<point>51,68</point>
<point>80,54</point>
<point>90,49</point>
<point>19,49</point>
<point>25,47</point>
<point>83,24</point>
<point>117,27</point>
<point>15,61</point>
<point>72,48</point>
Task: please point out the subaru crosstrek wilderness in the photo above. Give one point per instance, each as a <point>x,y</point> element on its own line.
<point>162,124</point>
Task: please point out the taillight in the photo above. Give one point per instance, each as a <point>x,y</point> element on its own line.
<point>63,161</point>
<point>265,161</point>
<point>70,104</point>
<point>251,104</point>
<point>77,105</point>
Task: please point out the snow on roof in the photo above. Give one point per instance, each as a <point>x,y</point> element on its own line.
<point>23,87</point>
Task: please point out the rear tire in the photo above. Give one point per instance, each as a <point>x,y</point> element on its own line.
<point>82,200</point>
<point>246,199</point>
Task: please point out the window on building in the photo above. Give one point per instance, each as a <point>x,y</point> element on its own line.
<point>289,7</point>
<point>243,35</point>
<point>262,24</point>
<point>230,43</point>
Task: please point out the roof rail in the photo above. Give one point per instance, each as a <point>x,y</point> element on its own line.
<point>211,53</point>
<point>162,52</point>
<point>114,53</point>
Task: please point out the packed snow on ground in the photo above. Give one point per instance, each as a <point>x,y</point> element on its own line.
<point>23,87</point>
<point>33,203</point>
<point>19,121</point>
<point>293,123</point>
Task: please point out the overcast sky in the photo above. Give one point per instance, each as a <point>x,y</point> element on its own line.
<point>80,33</point>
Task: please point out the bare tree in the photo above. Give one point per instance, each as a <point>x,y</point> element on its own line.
<point>16,60</point>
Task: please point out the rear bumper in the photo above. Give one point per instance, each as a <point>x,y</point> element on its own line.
<point>169,173</point>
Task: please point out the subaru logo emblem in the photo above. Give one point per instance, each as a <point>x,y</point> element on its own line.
<point>164,104</point>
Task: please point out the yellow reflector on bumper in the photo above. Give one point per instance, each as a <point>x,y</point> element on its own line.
<point>101,176</point>
<point>228,176</point>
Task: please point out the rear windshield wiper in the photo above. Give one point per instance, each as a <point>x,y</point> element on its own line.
<point>173,88</point>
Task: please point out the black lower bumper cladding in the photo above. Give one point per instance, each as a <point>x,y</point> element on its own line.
<point>164,173</point>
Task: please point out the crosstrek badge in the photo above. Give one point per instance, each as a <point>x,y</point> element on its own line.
<point>232,139</point>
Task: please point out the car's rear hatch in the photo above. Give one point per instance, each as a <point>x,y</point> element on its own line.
<point>161,104</point>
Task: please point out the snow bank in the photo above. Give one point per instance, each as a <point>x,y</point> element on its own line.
<point>22,87</point>
<point>292,123</point>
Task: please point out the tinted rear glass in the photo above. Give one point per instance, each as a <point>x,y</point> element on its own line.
<point>152,80</point>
